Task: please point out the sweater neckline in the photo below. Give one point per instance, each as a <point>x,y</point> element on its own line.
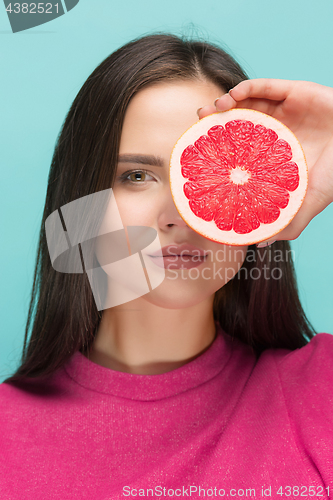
<point>152,387</point>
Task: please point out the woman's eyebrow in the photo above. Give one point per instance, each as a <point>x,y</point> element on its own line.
<point>155,161</point>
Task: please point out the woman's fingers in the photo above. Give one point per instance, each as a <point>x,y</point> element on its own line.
<point>205,111</point>
<point>225,102</point>
<point>222,103</point>
<point>261,94</point>
<point>263,105</point>
<point>262,88</point>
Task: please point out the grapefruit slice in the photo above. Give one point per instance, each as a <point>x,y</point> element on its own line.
<point>238,177</point>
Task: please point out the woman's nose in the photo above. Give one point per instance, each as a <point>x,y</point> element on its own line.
<point>169,215</point>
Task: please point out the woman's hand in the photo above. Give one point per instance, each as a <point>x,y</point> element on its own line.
<point>307,109</point>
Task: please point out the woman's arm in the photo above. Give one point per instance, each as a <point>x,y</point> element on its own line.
<point>307,109</point>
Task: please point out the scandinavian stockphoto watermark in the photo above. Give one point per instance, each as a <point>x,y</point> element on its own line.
<point>26,15</point>
<point>123,263</point>
<point>269,267</point>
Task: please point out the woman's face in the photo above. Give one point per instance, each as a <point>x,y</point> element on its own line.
<point>155,119</point>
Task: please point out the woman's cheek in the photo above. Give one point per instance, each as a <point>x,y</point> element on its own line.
<point>226,262</point>
<point>134,210</point>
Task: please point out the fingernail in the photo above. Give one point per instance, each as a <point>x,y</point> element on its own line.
<point>218,99</point>
<point>265,244</point>
<point>198,110</point>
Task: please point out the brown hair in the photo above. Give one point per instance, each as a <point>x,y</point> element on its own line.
<point>62,316</point>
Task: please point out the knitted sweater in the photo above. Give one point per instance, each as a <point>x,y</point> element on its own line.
<point>225,424</point>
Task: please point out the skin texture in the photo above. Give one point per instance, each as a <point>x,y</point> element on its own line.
<point>307,109</point>
<point>174,323</point>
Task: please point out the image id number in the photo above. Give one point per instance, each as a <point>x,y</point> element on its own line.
<point>32,8</point>
<point>303,491</point>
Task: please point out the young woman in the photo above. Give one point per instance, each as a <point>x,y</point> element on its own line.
<point>213,386</point>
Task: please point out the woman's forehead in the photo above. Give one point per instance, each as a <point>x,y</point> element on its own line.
<point>158,115</point>
<point>173,93</point>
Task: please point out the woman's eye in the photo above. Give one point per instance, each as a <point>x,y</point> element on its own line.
<point>136,177</point>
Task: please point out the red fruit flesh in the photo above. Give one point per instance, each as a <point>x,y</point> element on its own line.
<point>248,167</point>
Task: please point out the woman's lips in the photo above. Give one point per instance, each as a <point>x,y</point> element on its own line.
<point>175,256</point>
<point>178,261</point>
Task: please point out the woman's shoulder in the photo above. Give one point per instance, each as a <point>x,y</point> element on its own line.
<point>312,362</point>
<point>30,393</point>
<point>306,383</point>
<point>306,377</point>
<point>17,406</point>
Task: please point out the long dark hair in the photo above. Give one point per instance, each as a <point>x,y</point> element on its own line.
<point>63,317</point>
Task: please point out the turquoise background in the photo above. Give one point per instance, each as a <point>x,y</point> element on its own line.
<point>43,68</point>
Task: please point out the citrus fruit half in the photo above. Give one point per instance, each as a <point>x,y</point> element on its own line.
<point>238,177</point>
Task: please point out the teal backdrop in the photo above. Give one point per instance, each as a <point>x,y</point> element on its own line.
<point>43,68</point>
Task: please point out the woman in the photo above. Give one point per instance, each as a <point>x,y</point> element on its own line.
<point>205,387</point>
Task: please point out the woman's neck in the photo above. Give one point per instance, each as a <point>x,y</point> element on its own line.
<point>139,337</point>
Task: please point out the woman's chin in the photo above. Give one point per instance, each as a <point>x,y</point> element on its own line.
<point>169,296</point>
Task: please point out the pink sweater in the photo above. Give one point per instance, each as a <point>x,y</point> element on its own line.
<point>218,426</point>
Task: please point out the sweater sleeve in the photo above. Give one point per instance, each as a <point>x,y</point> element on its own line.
<point>306,377</point>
